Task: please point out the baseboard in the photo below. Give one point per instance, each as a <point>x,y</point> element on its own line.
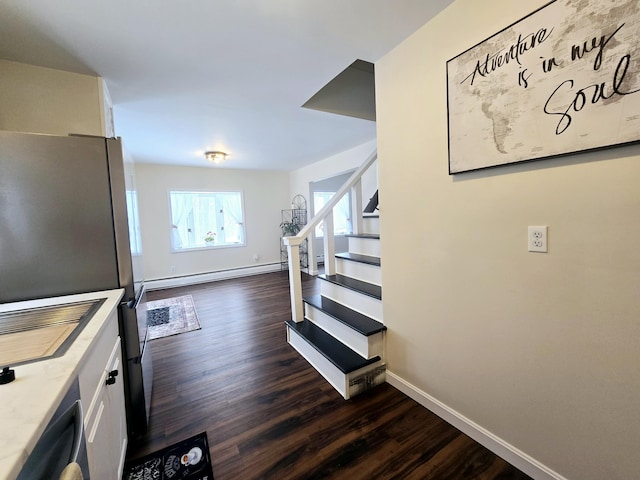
<point>170,282</point>
<point>508,452</point>
<point>316,271</point>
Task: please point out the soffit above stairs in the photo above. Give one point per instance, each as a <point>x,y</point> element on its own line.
<point>351,93</point>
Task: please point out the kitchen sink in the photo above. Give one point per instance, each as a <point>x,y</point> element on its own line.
<point>36,334</point>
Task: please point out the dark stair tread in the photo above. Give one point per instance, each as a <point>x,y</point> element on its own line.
<point>360,258</point>
<point>372,204</point>
<point>357,321</point>
<point>365,288</point>
<point>373,236</point>
<point>345,359</point>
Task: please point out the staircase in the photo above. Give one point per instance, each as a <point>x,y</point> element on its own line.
<point>341,332</point>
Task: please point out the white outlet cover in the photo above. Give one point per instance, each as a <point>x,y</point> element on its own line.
<point>537,239</point>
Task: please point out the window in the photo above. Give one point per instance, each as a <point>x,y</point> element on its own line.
<point>135,242</point>
<point>206,219</point>
<point>341,216</point>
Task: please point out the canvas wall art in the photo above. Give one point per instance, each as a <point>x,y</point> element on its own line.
<point>564,79</point>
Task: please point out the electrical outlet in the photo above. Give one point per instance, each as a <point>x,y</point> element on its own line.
<point>172,269</point>
<point>537,239</point>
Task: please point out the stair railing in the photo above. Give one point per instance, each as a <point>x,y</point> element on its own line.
<point>325,215</point>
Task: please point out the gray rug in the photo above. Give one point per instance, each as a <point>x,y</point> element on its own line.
<point>171,316</point>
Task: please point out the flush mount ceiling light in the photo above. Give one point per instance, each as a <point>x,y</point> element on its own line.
<point>215,156</point>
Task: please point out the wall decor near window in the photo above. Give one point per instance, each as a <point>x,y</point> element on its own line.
<point>565,78</point>
<point>293,220</point>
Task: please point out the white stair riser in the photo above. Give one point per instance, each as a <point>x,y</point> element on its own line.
<point>367,346</point>
<point>341,382</point>
<point>328,370</point>
<point>361,271</point>
<point>371,225</point>
<point>365,246</point>
<point>372,307</point>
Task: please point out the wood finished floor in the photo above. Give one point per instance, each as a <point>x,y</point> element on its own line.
<point>269,415</point>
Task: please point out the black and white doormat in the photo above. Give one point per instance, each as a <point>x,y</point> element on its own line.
<point>186,460</point>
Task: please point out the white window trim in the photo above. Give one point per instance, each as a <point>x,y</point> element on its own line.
<point>349,226</point>
<point>206,247</point>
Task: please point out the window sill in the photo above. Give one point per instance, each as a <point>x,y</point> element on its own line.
<point>208,247</point>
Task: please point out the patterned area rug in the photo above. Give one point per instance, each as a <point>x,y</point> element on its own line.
<point>171,316</point>
<point>186,460</point>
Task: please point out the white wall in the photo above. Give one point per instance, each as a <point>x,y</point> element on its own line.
<point>336,165</point>
<point>44,100</point>
<point>541,350</point>
<point>265,194</point>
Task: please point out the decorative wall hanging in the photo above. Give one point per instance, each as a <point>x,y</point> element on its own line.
<point>565,78</point>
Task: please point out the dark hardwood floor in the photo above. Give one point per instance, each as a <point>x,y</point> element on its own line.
<point>269,415</point>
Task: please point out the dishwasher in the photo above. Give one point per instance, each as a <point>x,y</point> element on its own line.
<point>61,443</point>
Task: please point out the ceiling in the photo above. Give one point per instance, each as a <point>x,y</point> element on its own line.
<point>228,75</point>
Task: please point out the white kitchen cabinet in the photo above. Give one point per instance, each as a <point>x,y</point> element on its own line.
<point>102,394</point>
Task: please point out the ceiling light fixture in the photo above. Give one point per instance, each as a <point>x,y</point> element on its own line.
<point>215,156</point>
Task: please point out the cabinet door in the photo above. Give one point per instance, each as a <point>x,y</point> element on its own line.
<point>106,425</point>
<point>115,400</point>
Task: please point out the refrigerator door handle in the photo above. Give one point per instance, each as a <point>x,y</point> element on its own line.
<point>134,302</point>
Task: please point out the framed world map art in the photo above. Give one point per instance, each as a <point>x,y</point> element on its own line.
<point>564,79</point>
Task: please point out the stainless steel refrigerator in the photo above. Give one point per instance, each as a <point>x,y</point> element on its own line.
<point>69,224</point>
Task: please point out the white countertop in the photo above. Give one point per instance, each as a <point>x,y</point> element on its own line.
<point>28,403</point>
